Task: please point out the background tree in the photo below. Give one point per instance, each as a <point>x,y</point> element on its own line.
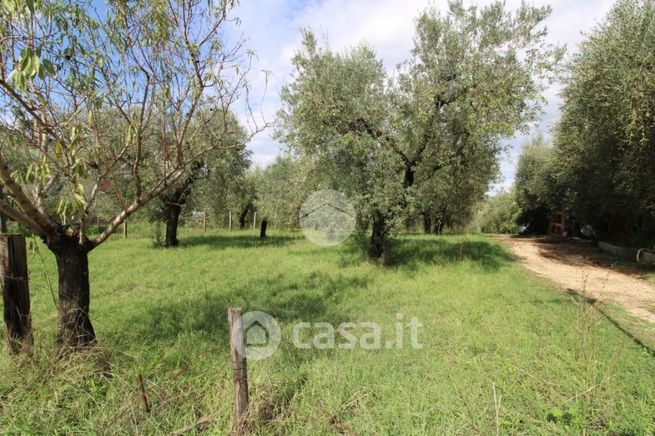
<point>152,64</point>
<point>330,118</point>
<point>243,197</point>
<point>475,77</point>
<point>448,199</point>
<point>606,136</point>
<point>282,187</point>
<point>214,172</point>
<point>497,214</point>
<point>215,192</point>
<point>538,188</point>
<point>171,202</point>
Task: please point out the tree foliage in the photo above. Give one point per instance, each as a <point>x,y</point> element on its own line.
<point>281,188</point>
<point>108,103</point>
<point>606,136</point>
<point>497,214</point>
<point>474,77</point>
<point>330,119</point>
<point>538,186</point>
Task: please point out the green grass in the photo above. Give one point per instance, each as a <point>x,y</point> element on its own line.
<point>557,365</point>
<point>651,278</point>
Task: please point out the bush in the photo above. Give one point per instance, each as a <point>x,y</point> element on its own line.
<point>497,214</point>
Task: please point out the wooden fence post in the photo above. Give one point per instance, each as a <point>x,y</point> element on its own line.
<point>254,220</point>
<point>204,221</point>
<point>239,366</point>
<point>15,292</point>
<point>229,220</point>
<point>125,229</point>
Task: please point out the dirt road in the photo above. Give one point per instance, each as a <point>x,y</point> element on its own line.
<point>578,265</point>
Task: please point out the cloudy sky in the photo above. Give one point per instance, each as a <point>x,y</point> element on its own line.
<point>272,28</point>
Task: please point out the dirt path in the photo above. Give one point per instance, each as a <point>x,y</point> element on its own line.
<point>578,265</point>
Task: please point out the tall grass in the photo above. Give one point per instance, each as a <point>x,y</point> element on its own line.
<point>502,351</point>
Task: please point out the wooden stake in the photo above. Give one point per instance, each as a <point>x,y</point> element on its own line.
<point>204,221</point>
<point>239,366</point>
<point>125,229</point>
<point>254,220</point>
<point>496,408</point>
<point>144,396</point>
<point>229,220</point>
<point>15,292</point>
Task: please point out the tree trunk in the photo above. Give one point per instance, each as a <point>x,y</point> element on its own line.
<point>378,236</point>
<point>242,217</point>
<point>15,293</point>
<point>361,224</point>
<point>409,176</point>
<point>427,223</point>
<point>3,217</point>
<point>75,329</point>
<point>438,226</point>
<point>172,220</point>
<point>262,231</point>
<point>173,201</point>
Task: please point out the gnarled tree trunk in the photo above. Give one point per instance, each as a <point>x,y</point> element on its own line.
<point>175,199</point>
<point>378,236</point>
<point>427,223</point>
<point>75,328</point>
<point>243,215</point>
<point>15,293</point>
<point>262,230</point>
<point>172,214</point>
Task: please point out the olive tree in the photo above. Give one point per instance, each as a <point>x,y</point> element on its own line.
<point>152,64</point>
<point>497,214</point>
<point>474,77</point>
<point>331,116</point>
<point>538,188</point>
<point>281,189</point>
<point>207,177</point>
<point>448,199</point>
<point>606,136</point>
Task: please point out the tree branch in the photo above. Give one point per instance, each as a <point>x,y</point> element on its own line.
<point>45,226</point>
<point>20,217</point>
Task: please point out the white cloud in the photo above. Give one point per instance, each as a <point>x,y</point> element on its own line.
<point>386,25</point>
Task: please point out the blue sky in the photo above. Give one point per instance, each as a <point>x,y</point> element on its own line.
<point>272,29</point>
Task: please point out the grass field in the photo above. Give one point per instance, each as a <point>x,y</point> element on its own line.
<point>554,363</point>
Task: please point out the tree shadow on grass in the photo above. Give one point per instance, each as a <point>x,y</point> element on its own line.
<point>237,241</point>
<point>201,321</point>
<point>313,297</point>
<point>413,253</point>
<point>618,324</point>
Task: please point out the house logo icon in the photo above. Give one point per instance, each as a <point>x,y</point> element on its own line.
<point>327,218</point>
<point>262,335</point>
